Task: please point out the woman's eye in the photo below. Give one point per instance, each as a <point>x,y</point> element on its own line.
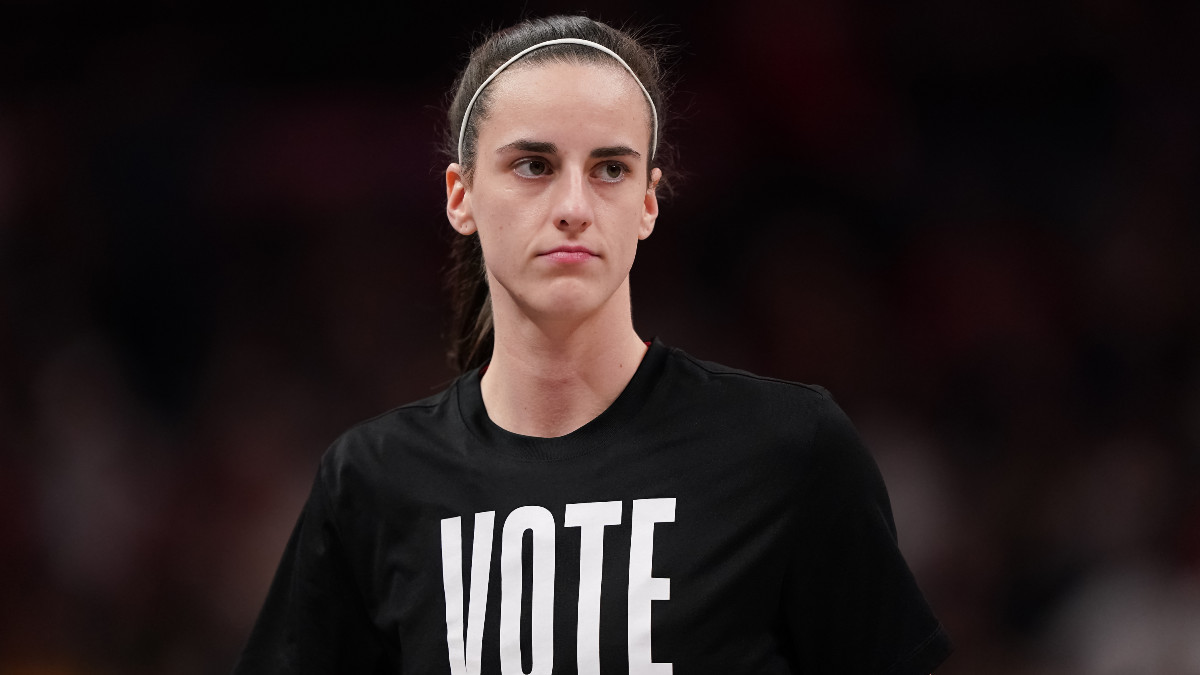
<point>612,171</point>
<point>532,168</point>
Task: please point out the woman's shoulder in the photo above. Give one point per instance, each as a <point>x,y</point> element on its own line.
<point>792,421</point>
<point>731,401</point>
<point>386,437</point>
<point>416,413</point>
<point>715,378</point>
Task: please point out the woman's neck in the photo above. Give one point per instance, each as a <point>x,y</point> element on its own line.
<point>548,380</point>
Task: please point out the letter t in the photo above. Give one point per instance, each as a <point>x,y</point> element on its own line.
<point>591,519</point>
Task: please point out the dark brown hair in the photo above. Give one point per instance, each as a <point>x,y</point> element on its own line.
<point>471,334</point>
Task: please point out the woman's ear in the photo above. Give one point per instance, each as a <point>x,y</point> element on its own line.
<point>650,214</point>
<point>458,201</point>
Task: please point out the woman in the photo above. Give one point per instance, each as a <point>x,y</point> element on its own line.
<point>586,501</point>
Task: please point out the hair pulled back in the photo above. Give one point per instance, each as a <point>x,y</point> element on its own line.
<point>471,330</point>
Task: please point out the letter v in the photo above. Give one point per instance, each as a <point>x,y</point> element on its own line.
<point>465,658</point>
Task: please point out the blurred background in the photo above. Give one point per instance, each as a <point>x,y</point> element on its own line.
<point>221,244</point>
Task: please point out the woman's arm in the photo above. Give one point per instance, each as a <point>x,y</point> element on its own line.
<point>851,602</point>
<point>314,619</point>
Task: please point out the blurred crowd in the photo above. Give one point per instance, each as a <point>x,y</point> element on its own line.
<point>221,244</point>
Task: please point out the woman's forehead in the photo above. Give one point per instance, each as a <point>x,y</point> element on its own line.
<point>557,93</point>
<point>548,78</point>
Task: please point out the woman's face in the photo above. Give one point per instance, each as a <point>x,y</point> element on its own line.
<point>560,195</point>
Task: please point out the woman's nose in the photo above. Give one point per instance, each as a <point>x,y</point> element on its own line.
<point>573,202</point>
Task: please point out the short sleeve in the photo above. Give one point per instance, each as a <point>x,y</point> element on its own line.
<point>314,619</point>
<point>852,605</point>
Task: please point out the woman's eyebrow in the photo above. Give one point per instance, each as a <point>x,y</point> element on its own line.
<point>525,145</point>
<point>548,148</point>
<point>615,151</point>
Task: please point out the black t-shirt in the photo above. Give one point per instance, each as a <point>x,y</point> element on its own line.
<point>709,521</point>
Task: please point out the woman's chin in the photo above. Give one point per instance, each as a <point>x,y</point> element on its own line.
<point>563,300</point>
<point>566,308</point>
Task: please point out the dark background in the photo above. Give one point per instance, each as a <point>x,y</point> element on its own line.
<point>221,239</point>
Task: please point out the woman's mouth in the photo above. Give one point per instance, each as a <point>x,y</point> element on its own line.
<point>569,254</point>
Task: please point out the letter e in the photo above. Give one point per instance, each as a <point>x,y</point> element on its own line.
<point>643,588</point>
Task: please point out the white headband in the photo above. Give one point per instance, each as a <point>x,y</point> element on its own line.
<point>561,41</point>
